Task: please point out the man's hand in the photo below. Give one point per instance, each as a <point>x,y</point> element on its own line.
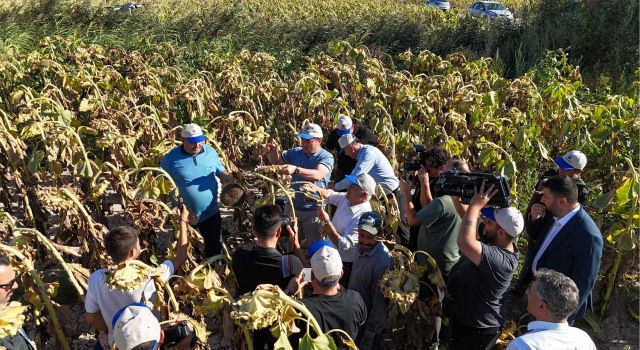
<point>296,284</point>
<point>184,213</point>
<point>423,176</point>
<point>292,230</point>
<point>322,214</point>
<point>537,211</point>
<point>288,170</point>
<point>405,188</point>
<point>482,197</point>
<point>103,339</point>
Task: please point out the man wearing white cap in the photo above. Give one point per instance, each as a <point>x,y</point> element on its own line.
<point>370,160</point>
<point>194,166</point>
<point>482,275</point>
<point>342,229</point>
<point>537,217</point>
<point>310,163</point>
<point>135,327</point>
<point>346,125</point>
<point>333,307</point>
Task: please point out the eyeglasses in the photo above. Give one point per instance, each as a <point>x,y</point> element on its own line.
<point>9,285</point>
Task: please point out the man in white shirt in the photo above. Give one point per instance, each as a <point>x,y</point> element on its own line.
<point>122,244</point>
<point>342,229</point>
<point>551,298</point>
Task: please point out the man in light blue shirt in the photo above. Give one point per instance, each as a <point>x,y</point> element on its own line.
<point>551,298</point>
<point>310,163</point>
<point>370,160</point>
<point>194,166</point>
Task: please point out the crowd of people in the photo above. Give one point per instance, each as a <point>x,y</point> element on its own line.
<point>473,245</point>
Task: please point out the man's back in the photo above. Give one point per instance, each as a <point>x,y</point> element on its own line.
<point>439,232</point>
<point>256,265</point>
<point>345,310</point>
<point>549,335</point>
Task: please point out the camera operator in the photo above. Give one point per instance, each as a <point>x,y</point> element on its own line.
<point>427,165</point>
<point>262,263</point>
<point>135,327</point>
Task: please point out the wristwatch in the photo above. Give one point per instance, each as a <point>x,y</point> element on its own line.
<point>325,222</point>
<point>296,171</point>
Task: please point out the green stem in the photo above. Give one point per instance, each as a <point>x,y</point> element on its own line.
<point>286,192</point>
<point>611,280</point>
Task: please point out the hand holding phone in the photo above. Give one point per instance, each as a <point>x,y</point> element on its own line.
<point>306,274</point>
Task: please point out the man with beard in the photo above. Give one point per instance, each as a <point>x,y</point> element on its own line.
<point>477,282</point>
<point>570,243</point>
<point>309,162</point>
<point>372,262</point>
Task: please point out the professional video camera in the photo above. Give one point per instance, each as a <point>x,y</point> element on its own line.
<point>417,161</point>
<point>455,183</point>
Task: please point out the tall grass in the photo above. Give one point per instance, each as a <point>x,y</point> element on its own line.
<point>596,33</point>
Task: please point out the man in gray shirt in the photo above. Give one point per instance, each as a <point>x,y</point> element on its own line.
<point>477,282</point>
<point>372,262</point>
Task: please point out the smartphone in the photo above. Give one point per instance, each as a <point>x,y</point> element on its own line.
<point>306,274</point>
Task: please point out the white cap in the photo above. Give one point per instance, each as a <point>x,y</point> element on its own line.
<point>509,219</point>
<point>346,140</point>
<point>133,325</point>
<point>311,131</point>
<point>365,181</point>
<point>344,123</point>
<point>192,133</point>
<point>573,160</point>
<point>326,265</point>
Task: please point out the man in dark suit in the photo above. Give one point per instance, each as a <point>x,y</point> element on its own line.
<point>569,241</point>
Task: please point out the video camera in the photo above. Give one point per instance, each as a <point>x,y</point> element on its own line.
<point>455,183</point>
<point>417,161</point>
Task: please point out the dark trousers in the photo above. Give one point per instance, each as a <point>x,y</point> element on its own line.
<point>346,274</point>
<point>469,338</point>
<point>210,231</point>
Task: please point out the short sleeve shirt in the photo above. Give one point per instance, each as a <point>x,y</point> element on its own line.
<point>345,220</point>
<point>195,178</point>
<point>477,290</point>
<point>439,232</point>
<point>109,301</point>
<point>254,265</point>
<point>296,156</point>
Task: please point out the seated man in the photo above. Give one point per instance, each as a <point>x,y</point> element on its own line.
<point>8,284</point>
<point>481,276</point>
<point>135,327</point>
<point>309,162</point>
<point>122,244</point>
<point>551,298</point>
<point>333,307</point>
<point>342,229</point>
<point>372,262</point>
<point>262,263</point>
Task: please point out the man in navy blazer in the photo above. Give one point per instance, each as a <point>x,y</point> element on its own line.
<point>568,240</point>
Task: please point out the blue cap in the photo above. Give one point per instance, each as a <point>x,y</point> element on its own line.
<point>341,132</point>
<point>195,139</point>
<point>563,164</point>
<point>488,212</point>
<point>317,245</point>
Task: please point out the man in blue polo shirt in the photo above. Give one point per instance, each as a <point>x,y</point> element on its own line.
<point>193,166</point>
<point>309,162</point>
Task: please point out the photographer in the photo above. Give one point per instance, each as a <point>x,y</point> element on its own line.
<point>122,244</point>
<point>262,263</point>
<point>135,327</point>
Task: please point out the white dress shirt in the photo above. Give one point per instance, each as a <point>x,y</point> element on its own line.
<point>345,220</point>
<point>543,335</point>
<point>553,232</point>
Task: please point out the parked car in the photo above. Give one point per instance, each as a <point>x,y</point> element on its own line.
<point>491,10</point>
<point>440,4</point>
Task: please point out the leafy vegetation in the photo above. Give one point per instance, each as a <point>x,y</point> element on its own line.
<point>91,100</point>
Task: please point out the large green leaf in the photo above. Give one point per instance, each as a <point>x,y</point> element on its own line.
<point>322,342</point>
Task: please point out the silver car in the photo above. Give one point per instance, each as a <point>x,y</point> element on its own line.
<point>490,10</point>
<point>440,4</point>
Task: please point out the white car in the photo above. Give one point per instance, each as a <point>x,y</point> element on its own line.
<point>490,10</point>
<point>440,4</point>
